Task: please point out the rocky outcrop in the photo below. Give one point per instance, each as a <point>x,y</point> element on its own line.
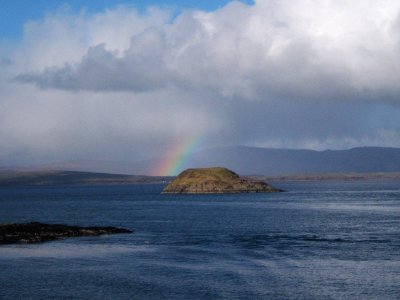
<point>36,232</point>
<point>215,181</point>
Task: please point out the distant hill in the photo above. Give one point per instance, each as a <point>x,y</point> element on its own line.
<point>257,161</point>
<point>94,166</point>
<point>72,178</point>
<point>252,160</point>
<point>51,178</point>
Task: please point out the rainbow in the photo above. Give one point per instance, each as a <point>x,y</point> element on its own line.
<point>178,156</point>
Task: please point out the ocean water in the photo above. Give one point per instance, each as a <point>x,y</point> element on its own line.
<point>319,240</point>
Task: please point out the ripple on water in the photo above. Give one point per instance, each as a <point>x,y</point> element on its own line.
<point>60,249</point>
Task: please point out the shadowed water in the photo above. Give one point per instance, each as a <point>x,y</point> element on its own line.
<point>320,240</point>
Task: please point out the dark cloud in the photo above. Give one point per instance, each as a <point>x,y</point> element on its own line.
<point>278,73</point>
<point>6,62</point>
<point>102,70</point>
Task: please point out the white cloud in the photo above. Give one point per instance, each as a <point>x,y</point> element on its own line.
<point>309,49</point>
<point>122,85</point>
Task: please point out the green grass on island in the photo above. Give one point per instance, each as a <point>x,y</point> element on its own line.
<point>214,180</point>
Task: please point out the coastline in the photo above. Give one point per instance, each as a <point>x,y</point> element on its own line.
<point>74,178</point>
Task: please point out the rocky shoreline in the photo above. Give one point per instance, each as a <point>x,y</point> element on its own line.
<point>36,232</point>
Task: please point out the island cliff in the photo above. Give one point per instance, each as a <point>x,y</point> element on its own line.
<point>215,181</point>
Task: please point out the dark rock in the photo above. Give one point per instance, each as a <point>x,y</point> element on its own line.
<point>36,232</point>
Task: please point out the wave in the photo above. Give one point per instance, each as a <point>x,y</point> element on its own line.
<point>65,250</point>
<point>266,239</point>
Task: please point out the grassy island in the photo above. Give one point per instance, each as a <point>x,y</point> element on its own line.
<point>215,180</point>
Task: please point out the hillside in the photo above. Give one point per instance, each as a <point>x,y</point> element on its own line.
<point>260,161</point>
<point>264,161</point>
<point>12,178</point>
<point>215,181</point>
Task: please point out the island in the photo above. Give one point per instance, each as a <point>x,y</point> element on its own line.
<point>216,180</point>
<point>36,232</point>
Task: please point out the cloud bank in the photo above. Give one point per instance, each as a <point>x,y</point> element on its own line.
<point>285,49</point>
<point>120,85</point>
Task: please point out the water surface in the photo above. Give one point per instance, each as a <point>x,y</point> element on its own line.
<point>320,240</point>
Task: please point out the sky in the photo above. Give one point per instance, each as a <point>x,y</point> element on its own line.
<point>131,80</point>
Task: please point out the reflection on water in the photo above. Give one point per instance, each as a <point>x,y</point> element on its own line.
<point>65,250</point>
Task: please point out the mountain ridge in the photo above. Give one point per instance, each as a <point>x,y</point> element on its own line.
<point>270,161</point>
<point>247,160</point>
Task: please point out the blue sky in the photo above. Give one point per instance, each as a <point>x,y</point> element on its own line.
<point>14,13</point>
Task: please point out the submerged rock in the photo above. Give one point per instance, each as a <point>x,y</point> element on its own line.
<point>215,181</point>
<point>36,232</point>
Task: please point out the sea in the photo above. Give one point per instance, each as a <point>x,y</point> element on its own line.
<point>318,240</point>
